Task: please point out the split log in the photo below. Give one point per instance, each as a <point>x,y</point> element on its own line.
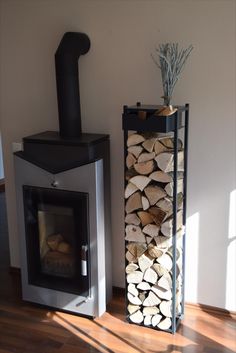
<point>137,249</point>
<point>132,289</point>
<point>154,251</point>
<point>133,203</point>
<point>144,168</point>
<point>165,161</point>
<point>164,283</point>
<point>162,293</point>
<point>180,175</point>
<point>131,268</point>
<point>144,286</point>
<point>157,215</point>
<point>133,308</point>
<point>144,157</point>
<point>130,160</point>
<point>149,144</point>
<point>160,270</point>
<point>156,319</point>
<point>145,218</point>
<point>150,310</point>
<point>130,190</point>
<point>165,111</point>
<point>134,233</point>
<point>64,248</point>
<point>167,227</point>
<point>147,320</point>
<point>134,277</point>
<point>166,261</point>
<point>136,317</point>
<point>129,174</point>
<point>54,240</point>
<point>163,243</point>
<point>132,218</point>
<point>145,203</point>
<point>135,139</point>
<point>169,143</point>
<point>159,147</point>
<point>150,276</point>
<point>166,205</point>
<point>166,308</point>
<point>148,240</point>
<point>151,300</point>
<point>165,324</point>
<point>154,194</point>
<point>169,188</point>
<point>161,177</point>
<point>130,257</point>
<point>140,181</point>
<point>145,262</point>
<point>151,229</point>
<point>180,197</point>
<point>133,299</point>
<point>57,263</point>
<point>171,251</point>
<point>135,150</point>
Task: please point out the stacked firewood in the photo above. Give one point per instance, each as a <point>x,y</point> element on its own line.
<point>149,228</point>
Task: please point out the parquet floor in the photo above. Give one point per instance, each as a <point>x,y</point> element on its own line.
<point>26,328</point>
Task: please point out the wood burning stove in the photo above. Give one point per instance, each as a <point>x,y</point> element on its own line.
<point>63,203</point>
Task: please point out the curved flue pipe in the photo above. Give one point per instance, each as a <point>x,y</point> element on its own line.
<point>72,45</point>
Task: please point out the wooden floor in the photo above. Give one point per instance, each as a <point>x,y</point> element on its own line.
<point>26,328</point>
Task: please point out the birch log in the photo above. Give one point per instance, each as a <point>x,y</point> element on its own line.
<point>145,217</point>
<point>135,139</point>
<point>149,144</point>
<point>134,233</point>
<point>140,181</point>
<point>130,160</point>
<point>132,218</point>
<point>133,203</point>
<point>165,161</point>
<point>144,157</point>
<point>154,194</point>
<point>130,189</point>
<point>165,324</point>
<point>135,150</point>
<point>136,317</point>
<point>144,168</point>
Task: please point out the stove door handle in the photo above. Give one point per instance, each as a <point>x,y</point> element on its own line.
<point>84,251</point>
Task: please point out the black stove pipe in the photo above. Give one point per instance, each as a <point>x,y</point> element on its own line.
<point>72,45</point>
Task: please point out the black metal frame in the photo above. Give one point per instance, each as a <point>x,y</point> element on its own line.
<point>172,123</point>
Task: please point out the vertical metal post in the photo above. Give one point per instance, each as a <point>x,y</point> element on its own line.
<point>175,206</point>
<point>125,183</point>
<point>186,123</point>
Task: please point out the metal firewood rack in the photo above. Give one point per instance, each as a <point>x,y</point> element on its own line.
<point>142,120</point>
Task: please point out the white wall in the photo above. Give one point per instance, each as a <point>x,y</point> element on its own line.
<point>118,70</point>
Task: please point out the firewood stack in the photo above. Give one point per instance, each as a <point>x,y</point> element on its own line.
<point>149,228</point>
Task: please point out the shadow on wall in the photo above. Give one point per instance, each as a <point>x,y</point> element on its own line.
<point>1,160</point>
<point>211,260</point>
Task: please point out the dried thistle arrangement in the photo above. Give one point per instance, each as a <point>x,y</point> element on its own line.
<point>170,60</point>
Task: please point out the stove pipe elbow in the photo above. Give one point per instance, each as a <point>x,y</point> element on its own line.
<point>72,45</point>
